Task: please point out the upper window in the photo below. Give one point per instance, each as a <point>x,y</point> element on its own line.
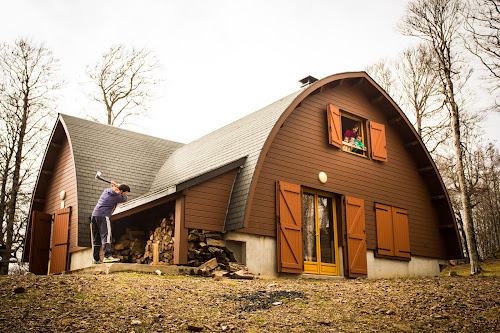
<point>350,133</point>
<point>353,138</point>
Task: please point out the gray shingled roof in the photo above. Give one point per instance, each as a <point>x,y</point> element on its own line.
<point>242,138</point>
<point>121,156</point>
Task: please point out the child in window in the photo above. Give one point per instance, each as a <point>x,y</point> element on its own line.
<point>359,143</point>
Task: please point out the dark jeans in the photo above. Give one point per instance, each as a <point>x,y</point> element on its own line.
<point>101,230</point>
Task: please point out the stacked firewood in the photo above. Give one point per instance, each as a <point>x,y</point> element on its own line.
<point>203,246</point>
<point>163,236</point>
<point>206,245</point>
<point>130,246</point>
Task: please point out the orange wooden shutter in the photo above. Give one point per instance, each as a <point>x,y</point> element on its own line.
<point>356,237</point>
<point>385,232</point>
<point>60,235</point>
<point>289,228</point>
<point>334,126</point>
<point>377,134</point>
<point>40,243</point>
<point>401,232</point>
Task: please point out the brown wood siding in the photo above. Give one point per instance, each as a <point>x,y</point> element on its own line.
<point>63,178</point>
<point>206,203</point>
<point>301,150</point>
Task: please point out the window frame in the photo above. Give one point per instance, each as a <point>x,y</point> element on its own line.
<point>373,133</point>
<point>362,131</point>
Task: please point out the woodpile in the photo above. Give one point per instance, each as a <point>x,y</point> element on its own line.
<point>162,238</point>
<point>207,251</point>
<point>206,245</point>
<point>130,246</point>
<point>233,270</point>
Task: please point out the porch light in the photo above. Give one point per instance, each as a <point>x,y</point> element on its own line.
<point>322,177</point>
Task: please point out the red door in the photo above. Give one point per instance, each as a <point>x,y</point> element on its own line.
<point>40,243</point>
<point>60,236</point>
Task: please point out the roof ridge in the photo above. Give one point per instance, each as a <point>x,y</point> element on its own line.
<point>64,115</point>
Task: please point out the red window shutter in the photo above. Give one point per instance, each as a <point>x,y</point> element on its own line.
<point>60,236</point>
<point>289,228</point>
<point>356,237</point>
<point>401,232</point>
<point>379,149</point>
<point>334,126</point>
<point>385,232</point>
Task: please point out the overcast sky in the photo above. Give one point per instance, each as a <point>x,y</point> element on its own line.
<point>222,59</point>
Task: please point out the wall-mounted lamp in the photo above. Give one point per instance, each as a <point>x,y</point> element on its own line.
<point>62,195</point>
<point>322,177</point>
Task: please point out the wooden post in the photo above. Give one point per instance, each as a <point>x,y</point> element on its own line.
<point>181,233</point>
<point>155,253</point>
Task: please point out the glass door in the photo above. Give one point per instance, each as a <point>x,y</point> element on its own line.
<point>319,233</point>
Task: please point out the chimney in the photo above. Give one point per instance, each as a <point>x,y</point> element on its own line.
<point>307,81</point>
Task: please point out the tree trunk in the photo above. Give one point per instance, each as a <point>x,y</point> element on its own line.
<point>464,195</point>
<point>11,207</point>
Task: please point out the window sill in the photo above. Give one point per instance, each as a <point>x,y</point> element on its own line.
<point>347,147</point>
<point>391,257</point>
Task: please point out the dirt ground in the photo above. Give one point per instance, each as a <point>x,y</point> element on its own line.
<point>130,302</point>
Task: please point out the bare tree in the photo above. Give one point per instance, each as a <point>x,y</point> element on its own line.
<point>420,95</point>
<point>438,22</point>
<point>482,172</point>
<point>28,76</point>
<point>483,38</point>
<point>487,209</point>
<point>382,72</point>
<point>126,80</point>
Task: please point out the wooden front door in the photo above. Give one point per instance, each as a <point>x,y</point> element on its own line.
<point>40,243</point>
<point>319,237</point>
<point>60,241</point>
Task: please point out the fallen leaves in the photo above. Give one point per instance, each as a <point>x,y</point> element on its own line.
<point>158,303</point>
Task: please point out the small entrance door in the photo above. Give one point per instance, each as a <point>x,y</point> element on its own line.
<point>60,235</point>
<point>40,242</point>
<point>319,236</point>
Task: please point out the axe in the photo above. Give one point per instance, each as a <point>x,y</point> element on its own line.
<point>98,176</point>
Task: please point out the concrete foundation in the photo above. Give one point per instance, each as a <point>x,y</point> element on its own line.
<point>138,268</point>
<point>389,268</point>
<point>257,253</point>
<point>81,259</point>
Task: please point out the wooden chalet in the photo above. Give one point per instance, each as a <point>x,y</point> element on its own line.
<point>285,191</point>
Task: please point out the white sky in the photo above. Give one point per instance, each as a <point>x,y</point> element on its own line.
<point>222,59</point>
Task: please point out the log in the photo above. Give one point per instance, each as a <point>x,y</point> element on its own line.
<point>216,242</point>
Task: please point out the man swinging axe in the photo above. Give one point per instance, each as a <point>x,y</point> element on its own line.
<point>101,223</point>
